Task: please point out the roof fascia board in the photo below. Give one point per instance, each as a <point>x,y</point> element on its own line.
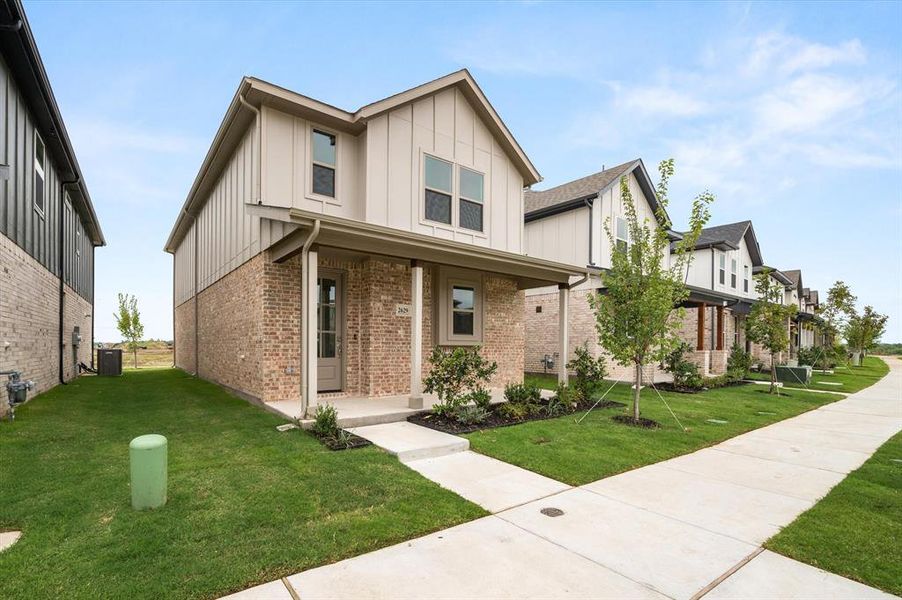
<point>556,209</point>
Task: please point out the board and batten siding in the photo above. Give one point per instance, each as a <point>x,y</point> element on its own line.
<point>446,126</point>
<point>227,236</point>
<point>38,234</point>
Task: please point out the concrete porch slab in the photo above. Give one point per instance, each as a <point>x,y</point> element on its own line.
<point>741,512</point>
<point>804,483</point>
<point>411,442</point>
<point>674,558</point>
<point>490,483</point>
<point>486,558</point>
<point>770,575</point>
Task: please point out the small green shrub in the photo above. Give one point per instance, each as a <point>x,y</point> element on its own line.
<point>522,393</point>
<point>481,398</point>
<point>515,411</point>
<point>456,376</point>
<point>556,406</point>
<point>325,421</point>
<point>685,372</point>
<point>471,415</point>
<point>590,374</point>
<point>738,363</point>
<point>818,358</point>
<point>564,394</point>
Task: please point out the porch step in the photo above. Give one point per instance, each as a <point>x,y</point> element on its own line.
<point>411,442</point>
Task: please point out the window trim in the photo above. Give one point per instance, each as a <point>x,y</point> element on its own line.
<point>617,238</point>
<point>722,269</point>
<point>311,128</point>
<point>734,278</point>
<point>448,278</point>
<point>39,169</point>
<point>455,197</point>
<point>745,279</point>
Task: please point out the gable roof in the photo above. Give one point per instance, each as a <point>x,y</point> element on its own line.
<point>729,237</point>
<point>573,194</point>
<point>19,50</point>
<point>253,92</point>
<point>775,273</point>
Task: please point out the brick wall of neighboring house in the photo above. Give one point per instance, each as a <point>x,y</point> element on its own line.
<point>250,327</point>
<point>29,322</point>
<point>542,335</point>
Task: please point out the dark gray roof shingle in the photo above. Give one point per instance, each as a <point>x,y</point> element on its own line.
<point>576,189</point>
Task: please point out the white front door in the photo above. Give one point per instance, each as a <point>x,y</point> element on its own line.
<point>330,324</point>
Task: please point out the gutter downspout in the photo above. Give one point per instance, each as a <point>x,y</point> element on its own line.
<point>196,303</point>
<point>93,292</point>
<point>62,291</point>
<point>314,233</point>
<point>258,126</point>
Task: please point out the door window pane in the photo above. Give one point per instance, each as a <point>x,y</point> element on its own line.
<point>470,215</point>
<point>326,345</point>
<point>471,185</point>
<point>438,207</point>
<point>323,148</point>
<point>438,174</point>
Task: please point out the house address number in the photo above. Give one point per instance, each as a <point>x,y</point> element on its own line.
<point>402,310</point>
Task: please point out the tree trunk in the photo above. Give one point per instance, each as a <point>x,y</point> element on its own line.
<point>637,391</point>
<point>135,354</point>
<point>773,375</point>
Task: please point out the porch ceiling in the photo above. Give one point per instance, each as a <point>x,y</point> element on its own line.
<point>356,236</point>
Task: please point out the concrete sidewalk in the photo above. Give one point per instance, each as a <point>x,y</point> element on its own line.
<point>683,528</point>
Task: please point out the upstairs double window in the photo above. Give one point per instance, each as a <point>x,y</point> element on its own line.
<point>461,205</point>
<point>323,174</point>
<point>733,273</point>
<point>745,279</point>
<point>722,271</point>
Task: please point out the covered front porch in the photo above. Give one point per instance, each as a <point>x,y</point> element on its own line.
<point>375,301</point>
<point>715,322</point>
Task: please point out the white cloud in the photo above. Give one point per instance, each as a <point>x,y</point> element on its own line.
<point>662,100</point>
<point>774,51</point>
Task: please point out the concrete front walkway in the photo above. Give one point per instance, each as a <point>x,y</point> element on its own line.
<point>684,528</point>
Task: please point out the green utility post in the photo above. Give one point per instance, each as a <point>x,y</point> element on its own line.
<point>148,456</point>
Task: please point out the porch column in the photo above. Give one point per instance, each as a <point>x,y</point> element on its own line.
<point>309,328</point>
<point>563,331</point>
<point>720,327</point>
<point>700,333</point>
<point>416,336</point>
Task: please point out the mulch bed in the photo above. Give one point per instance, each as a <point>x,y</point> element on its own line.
<point>495,419</point>
<point>641,422</point>
<point>666,386</point>
<point>355,441</point>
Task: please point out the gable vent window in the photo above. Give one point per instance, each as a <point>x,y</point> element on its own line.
<point>471,192</point>
<point>39,162</point>
<point>323,163</point>
<point>723,268</point>
<point>438,190</point>
<point>622,233</point>
<point>733,273</point>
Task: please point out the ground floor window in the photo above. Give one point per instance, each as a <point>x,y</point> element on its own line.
<point>460,305</point>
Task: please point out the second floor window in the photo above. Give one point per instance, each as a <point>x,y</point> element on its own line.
<point>622,234</point>
<point>470,191</point>
<point>323,163</point>
<point>733,273</point>
<point>723,269</point>
<point>438,175</point>
<point>745,278</point>
<point>39,162</point>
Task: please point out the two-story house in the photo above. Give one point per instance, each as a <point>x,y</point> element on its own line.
<point>324,253</point>
<point>566,223</point>
<point>803,332</point>
<point>48,227</point>
<point>721,286</point>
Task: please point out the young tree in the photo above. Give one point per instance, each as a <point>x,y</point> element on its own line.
<point>863,331</point>
<point>768,321</point>
<point>633,317</point>
<point>128,322</point>
<point>835,312</point>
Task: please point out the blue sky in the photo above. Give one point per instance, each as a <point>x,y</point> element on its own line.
<point>790,113</point>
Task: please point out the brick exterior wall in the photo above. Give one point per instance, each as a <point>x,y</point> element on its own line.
<point>250,327</point>
<point>29,322</point>
<point>542,335</point>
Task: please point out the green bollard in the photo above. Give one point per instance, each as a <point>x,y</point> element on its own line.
<point>148,457</point>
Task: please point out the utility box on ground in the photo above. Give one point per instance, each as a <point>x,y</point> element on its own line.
<point>148,457</point>
<point>788,374</point>
<point>109,361</point>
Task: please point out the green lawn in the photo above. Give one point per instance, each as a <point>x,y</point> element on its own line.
<point>600,447</point>
<point>853,379</point>
<point>856,530</point>
<point>247,504</point>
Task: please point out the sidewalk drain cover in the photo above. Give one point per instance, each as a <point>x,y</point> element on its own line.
<point>551,512</point>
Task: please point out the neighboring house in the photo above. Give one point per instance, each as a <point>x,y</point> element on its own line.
<point>802,330</point>
<point>48,225</point>
<point>566,224</point>
<point>721,293</point>
<point>324,253</point>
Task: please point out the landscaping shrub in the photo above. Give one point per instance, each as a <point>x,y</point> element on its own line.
<point>325,422</point>
<point>471,415</point>
<point>516,411</point>
<point>738,363</point>
<point>522,393</point>
<point>481,398</point>
<point>458,377</point>
<point>818,358</point>
<point>557,406</point>
<point>685,372</point>
<point>590,374</point>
